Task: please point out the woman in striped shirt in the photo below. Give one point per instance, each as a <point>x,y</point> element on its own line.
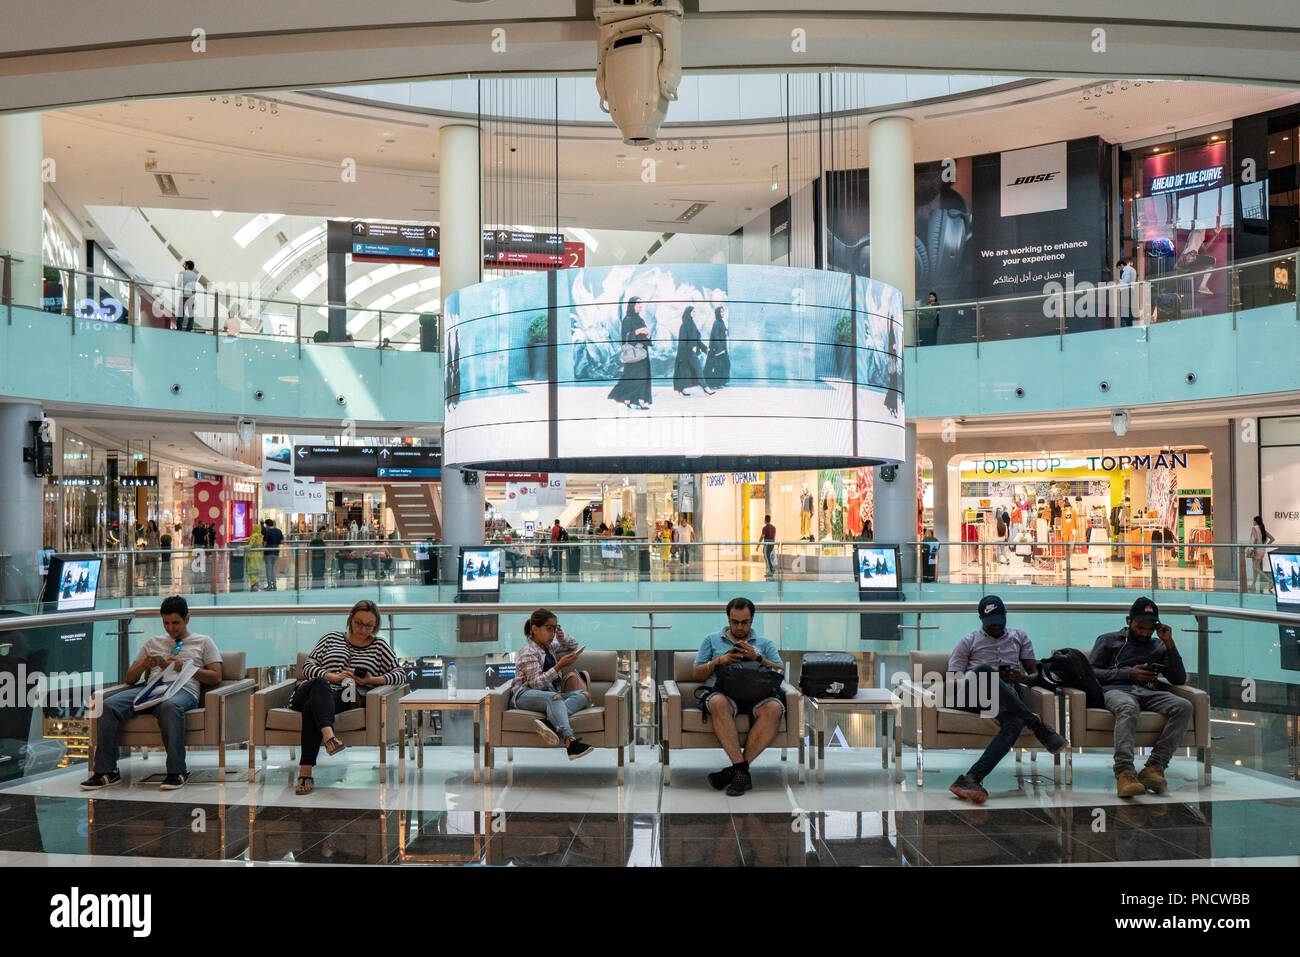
<point>333,675</point>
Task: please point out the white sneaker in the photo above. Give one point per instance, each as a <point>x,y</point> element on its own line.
<point>545,732</point>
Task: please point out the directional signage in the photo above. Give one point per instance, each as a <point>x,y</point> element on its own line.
<point>366,462</point>
<point>335,461</point>
<point>399,462</point>
<point>394,242</point>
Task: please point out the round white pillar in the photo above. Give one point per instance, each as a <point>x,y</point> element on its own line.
<point>892,196</point>
<point>22,504</point>
<point>22,198</point>
<point>460,255</point>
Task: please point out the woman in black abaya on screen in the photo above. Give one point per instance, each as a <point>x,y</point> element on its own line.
<point>717,368</point>
<point>689,369</point>
<point>633,387</point>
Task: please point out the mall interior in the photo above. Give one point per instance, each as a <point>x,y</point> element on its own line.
<point>385,305</point>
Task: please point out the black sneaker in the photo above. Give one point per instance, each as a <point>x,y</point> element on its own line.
<point>720,779</point>
<point>97,781</point>
<point>1049,739</point>
<point>546,731</point>
<point>968,786</point>
<point>174,782</point>
<point>577,748</point>
<point>740,783</point>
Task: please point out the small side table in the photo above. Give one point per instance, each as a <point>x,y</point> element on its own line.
<point>462,699</point>
<point>881,700</point>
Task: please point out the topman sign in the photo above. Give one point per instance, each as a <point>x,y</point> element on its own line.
<point>1091,463</point>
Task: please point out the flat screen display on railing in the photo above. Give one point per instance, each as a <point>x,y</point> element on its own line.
<point>71,583</point>
<point>480,574</point>
<point>1286,579</point>
<point>662,368</point>
<point>877,567</point>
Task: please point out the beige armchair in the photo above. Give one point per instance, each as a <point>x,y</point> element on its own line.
<point>929,725</point>
<point>604,725</point>
<point>221,717</point>
<point>686,726</point>
<point>1095,727</point>
<point>377,725</point>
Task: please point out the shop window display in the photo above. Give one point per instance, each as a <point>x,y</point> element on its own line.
<point>1086,516</point>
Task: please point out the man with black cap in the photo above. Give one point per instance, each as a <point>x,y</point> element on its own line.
<point>996,649</point>
<point>1128,664</point>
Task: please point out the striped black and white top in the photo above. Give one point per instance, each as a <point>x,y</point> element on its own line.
<point>334,653</point>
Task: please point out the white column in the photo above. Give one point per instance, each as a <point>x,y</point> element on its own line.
<point>21,200</point>
<point>461,258</point>
<point>22,504</point>
<point>892,192</point>
<point>895,504</point>
<point>461,230</point>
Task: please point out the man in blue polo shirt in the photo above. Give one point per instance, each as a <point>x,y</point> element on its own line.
<point>1007,652</point>
<point>737,643</point>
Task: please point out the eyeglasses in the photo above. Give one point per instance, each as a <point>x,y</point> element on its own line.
<point>362,623</point>
<point>740,621</point>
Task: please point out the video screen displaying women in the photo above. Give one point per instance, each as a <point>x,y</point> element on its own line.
<point>656,363</point>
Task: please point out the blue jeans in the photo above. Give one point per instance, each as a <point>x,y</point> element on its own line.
<point>555,706</point>
<point>769,556</point>
<point>170,715</point>
<point>1013,717</point>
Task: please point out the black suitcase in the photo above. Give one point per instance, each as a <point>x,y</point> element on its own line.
<point>829,674</point>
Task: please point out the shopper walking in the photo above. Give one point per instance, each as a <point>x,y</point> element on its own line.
<point>273,537</point>
<point>768,537</point>
<point>633,387</point>
<point>187,281</point>
<point>1257,554</point>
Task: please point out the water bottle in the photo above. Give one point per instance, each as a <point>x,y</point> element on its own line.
<point>451,677</point>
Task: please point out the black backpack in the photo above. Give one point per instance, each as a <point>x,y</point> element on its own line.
<point>1070,668</point>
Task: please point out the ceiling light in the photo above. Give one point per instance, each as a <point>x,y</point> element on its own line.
<point>239,101</point>
<point>1213,138</point>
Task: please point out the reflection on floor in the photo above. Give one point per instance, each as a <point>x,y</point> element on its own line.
<point>548,811</point>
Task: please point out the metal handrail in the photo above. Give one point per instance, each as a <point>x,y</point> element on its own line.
<point>1289,255</point>
<point>645,608</point>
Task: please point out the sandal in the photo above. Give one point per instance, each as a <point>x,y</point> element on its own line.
<point>334,746</point>
<point>305,785</point>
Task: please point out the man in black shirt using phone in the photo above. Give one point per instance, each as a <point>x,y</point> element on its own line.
<point>1128,665</point>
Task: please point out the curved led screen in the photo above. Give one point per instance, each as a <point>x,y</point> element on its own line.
<point>663,368</point>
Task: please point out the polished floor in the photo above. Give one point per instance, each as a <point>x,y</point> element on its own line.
<point>549,811</point>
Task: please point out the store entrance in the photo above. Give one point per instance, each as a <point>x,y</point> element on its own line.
<point>1088,517</point>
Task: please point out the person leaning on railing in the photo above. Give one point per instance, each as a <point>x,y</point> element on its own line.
<point>334,674</point>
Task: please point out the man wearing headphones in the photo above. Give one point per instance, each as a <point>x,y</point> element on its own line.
<point>1128,665</point>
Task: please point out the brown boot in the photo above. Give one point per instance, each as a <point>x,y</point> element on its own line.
<point>1153,779</point>
<point>1127,784</point>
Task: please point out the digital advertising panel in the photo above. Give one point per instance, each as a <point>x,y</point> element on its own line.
<point>663,368</point>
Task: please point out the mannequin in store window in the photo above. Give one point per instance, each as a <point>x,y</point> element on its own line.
<point>805,512</point>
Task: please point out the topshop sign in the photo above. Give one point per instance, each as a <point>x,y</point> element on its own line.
<point>1093,463</point>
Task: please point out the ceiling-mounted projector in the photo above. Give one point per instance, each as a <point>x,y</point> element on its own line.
<point>638,63</point>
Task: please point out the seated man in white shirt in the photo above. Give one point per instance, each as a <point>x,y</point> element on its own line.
<point>177,647</point>
<point>996,649</point>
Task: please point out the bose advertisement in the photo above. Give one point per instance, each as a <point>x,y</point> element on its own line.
<point>671,368</point>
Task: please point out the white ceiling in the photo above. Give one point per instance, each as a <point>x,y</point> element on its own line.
<point>246,163</point>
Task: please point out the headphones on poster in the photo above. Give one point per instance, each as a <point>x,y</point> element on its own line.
<point>939,249</point>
